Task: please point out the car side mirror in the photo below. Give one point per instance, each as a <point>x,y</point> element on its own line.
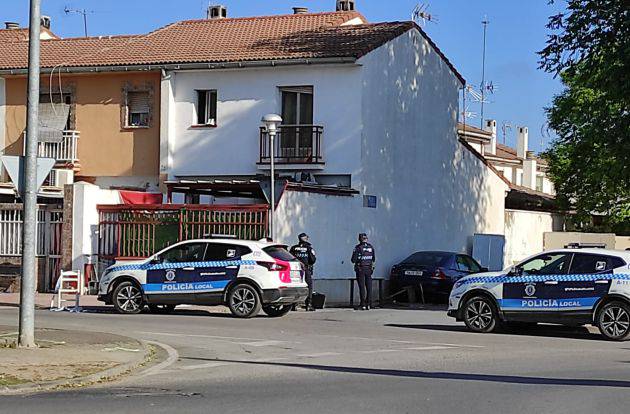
<point>484,269</point>
<point>516,271</point>
<point>157,260</point>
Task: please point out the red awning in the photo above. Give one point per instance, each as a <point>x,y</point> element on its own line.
<point>138,197</point>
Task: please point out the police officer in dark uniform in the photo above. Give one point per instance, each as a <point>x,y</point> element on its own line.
<point>303,251</point>
<point>363,258</point>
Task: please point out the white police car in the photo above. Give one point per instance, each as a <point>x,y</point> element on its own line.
<point>567,286</point>
<point>244,275</point>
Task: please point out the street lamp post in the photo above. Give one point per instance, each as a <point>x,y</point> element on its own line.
<point>271,123</point>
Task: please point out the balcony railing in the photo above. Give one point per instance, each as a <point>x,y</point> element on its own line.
<point>64,151</point>
<point>294,144</point>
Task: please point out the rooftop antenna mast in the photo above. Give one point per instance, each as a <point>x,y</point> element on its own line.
<point>485,22</point>
<point>505,127</point>
<point>82,12</point>
<point>421,15</point>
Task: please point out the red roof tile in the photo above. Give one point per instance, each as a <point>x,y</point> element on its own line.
<point>302,36</point>
<point>13,35</point>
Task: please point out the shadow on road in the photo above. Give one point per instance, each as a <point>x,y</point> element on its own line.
<point>457,376</point>
<point>176,312</point>
<point>552,331</point>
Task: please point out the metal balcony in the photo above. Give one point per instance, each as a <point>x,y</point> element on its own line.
<point>293,145</point>
<point>64,151</point>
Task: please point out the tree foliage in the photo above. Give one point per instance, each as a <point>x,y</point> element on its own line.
<point>589,48</point>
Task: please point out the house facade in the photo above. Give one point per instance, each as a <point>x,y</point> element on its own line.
<point>368,142</point>
<point>100,121</point>
<point>530,208</point>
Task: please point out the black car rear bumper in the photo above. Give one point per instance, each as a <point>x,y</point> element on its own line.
<point>285,296</point>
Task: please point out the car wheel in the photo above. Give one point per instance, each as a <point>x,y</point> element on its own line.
<point>480,315</point>
<point>244,301</point>
<point>276,311</point>
<point>127,298</point>
<point>154,308</point>
<point>613,321</point>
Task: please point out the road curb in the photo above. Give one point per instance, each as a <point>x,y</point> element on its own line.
<point>110,374</point>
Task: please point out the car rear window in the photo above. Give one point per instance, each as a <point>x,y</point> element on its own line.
<point>279,252</point>
<point>428,258</point>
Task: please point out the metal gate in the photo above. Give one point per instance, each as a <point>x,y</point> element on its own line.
<point>138,231</point>
<point>49,224</point>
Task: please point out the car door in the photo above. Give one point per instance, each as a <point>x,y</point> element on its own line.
<point>174,276</point>
<point>222,265</point>
<point>589,280</point>
<point>529,292</point>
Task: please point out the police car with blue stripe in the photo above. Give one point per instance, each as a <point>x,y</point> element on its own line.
<point>574,286</point>
<point>247,276</point>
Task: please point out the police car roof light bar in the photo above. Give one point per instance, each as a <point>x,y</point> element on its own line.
<point>219,236</point>
<point>585,246</point>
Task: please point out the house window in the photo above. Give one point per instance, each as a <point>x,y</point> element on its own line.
<point>297,105</point>
<point>138,112</point>
<point>207,107</point>
<point>296,139</point>
<point>539,183</point>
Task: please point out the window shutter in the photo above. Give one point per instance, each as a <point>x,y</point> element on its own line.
<point>138,102</point>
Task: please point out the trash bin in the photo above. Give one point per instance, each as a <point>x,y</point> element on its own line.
<point>319,300</point>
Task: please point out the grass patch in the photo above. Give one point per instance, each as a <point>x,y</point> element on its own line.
<point>8,380</point>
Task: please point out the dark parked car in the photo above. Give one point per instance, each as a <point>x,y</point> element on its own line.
<point>437,272</point>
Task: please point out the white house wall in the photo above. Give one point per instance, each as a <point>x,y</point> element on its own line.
<point>433,193</point>
<point>244,96</point>
<point>524,233</point>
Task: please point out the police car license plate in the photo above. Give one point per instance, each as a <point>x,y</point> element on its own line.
<point>413,272</point>
<point>296,276</point>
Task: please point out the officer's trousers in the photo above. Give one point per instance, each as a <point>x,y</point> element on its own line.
<point>308,278</point>
<point>364,279</point>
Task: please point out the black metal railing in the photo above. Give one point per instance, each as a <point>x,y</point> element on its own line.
<point>293,144</point>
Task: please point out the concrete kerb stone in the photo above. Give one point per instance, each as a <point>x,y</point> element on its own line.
<point>149,355</point>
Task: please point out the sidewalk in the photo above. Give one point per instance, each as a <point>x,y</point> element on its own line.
<point>66,359</point>
<point>42,300</point>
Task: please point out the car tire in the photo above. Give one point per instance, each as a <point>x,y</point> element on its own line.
<point>613,321</point>
<point>277,311</point>
<point>127,298</point>
<point>244,301</point>
<point>162,309</point>
<point>480,315</point>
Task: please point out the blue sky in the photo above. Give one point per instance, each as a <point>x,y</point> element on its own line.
<point>516,31</point>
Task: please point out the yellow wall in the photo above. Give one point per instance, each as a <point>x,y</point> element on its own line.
<point>105,148</point>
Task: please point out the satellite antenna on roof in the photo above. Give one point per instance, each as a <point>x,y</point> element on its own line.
<point>82,12</point>
<point>421,15</point>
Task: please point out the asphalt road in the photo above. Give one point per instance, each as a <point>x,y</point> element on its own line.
<point>344,361</point>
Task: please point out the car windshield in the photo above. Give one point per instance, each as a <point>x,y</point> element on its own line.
<point>279,252</point>
<point>428,258</point>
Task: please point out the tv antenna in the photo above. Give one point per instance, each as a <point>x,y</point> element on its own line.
<point>421,15</point>
<point>505,127</point>
<point>82,12</point>
<point>485,22</point>
<point>545,135</point>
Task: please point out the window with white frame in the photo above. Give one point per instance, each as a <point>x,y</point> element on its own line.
<point>539,183</point>
<point>206,107</point>
<point>138,109</point>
